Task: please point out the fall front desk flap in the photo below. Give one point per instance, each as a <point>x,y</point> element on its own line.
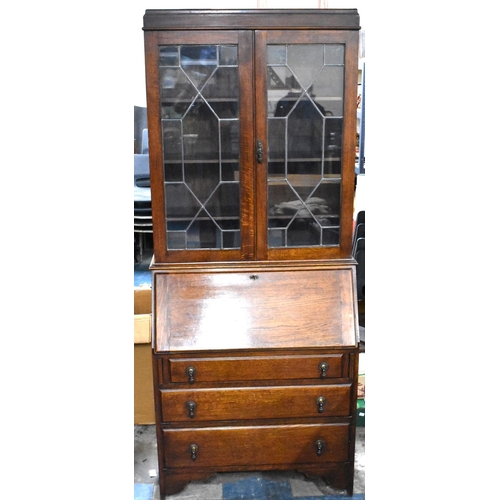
<point>254,310</point>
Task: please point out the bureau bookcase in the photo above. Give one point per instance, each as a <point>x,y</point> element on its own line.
<point>252,137</point>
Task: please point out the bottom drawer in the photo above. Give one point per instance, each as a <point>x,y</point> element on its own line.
<point>266,445</point>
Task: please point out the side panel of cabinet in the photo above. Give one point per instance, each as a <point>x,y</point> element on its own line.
<point>245,249</point>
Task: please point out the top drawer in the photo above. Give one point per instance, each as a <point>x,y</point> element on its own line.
<point>253,368</point>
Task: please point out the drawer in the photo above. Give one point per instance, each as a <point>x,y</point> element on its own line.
<point>265,445</point>
<point>234,369</point>
<point>255,403</point>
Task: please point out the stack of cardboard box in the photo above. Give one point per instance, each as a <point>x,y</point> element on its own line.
<point>144,413</point>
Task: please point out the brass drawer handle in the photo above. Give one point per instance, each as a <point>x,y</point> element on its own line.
<point>323,368</point>
<point>321,401</point>
<point>191,406</point>
<point>191,371</point>
<point>320,446</point>
<point>194,450</point>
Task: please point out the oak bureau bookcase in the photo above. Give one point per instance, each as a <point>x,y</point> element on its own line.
<point>252,136</point>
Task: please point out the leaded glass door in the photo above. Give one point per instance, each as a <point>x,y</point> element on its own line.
<point>256,132</point>
<point>204,106</point>
<point>308,126</point>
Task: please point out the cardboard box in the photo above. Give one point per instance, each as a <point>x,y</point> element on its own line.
<point>144,412</point>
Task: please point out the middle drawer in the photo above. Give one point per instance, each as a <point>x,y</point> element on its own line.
<point>247,403</point>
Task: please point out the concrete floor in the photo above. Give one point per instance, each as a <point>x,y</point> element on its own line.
<point>146,470</point>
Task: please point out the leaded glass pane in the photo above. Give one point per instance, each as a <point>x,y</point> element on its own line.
<point>228,55</point>
<point>224,201</point>
<point>305,61</point>
<point>334,54</point>
<point>305,119</point>
<point>177,92</point>
<point>221,92</point>
<point>328,90</point>
<point>168,56</point>
<point>230,140</point>
<point>181,202</point>
<point>276,130</point>
<point>276,54</point>
<point>201,136</point>
<point>172,140</point>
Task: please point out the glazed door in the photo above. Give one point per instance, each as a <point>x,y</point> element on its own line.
<point>252,143</point>
<point>200,107</point>
<point>306,124</point>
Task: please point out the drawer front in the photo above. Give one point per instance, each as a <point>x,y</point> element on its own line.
<point>235,369</point>
<point>255,403</point>
<point>266,445</point>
